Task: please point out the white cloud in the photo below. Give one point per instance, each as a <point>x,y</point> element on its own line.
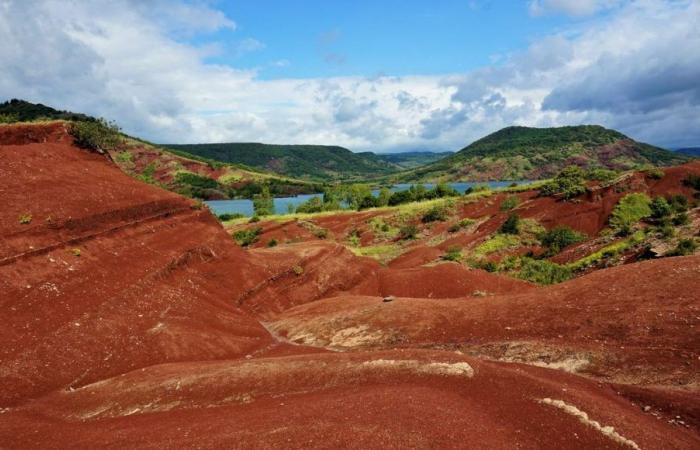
<point>571,7</point>
<point>631,71</point>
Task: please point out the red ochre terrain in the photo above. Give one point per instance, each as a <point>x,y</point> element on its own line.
<point>131,319</point>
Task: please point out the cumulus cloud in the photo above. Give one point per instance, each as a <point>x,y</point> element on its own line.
<point>571,7</point>
<point>124,59</point>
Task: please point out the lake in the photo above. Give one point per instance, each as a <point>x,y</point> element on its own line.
<point>245,206</point>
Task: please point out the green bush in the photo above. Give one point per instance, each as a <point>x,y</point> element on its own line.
<point>511,225</point>
<point>312,205</point>
<point>228,216</point>
<point>453,254</point>
<point>408,231</point>
<point>437,213</point>
<point>678,202</point>
<point>569,183</point>
<point>98,135</point>
<point>602,175</point>
<point>25,219</point>
<point>195,180</point>
<point>247,237</point>
<point>692,181</point>
<point>680,219</point>
<point>509,203</point>
<point>543,272</point>
<point>631,209</point>
<point>684,247</point>
<point>655,173</point>
<point>461,224</point>
<point>272,242</point>
<point>559,238</point>
<point>660,208</point>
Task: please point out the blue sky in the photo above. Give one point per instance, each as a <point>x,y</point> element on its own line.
<point>383,75</point>
<point>331,38</point>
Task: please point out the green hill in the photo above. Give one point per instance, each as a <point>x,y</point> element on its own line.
<point>516,153</point>
<point>22,111</point>
<point>311,162</point>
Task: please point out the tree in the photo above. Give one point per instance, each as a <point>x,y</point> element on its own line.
<point>511,225</point>
<point>263,204</point>
<point>383,197</point>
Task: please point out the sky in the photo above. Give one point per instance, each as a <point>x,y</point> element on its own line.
<point>382,75</point>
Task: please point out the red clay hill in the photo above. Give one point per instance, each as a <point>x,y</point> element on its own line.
<point>130,318</point>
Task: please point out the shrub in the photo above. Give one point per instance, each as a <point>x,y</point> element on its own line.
<point>98,135</point>
<point>312,205</point>
<point>511,225</point>
<point>229,216</point>
<point>489,266</point>
<point>298,270</point>
<point>685,247</point>
<point>76,252</point>
<point>569,183</point>
<point>435,214</point>
<point>272,242</point>
<point>543,271</point>
<point>678,203</point>
<point>453,254</point>
<point>509,203</point>
<point>680,219</point>
<point>461,224</point>
<point>602,175</point>
<point>124,157</point>
<point>25,219</point>
<point>189,178</point>
<point>497,243</point>
<point>558,238</point>
<point>247,237</point>
<point>408,231</point>
<point>631,209</point>
<point>660,208</point>
<point>654,173</point>
<point>692,181</point>
<point>254,219</point>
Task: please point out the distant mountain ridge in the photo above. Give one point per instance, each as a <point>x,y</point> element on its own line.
<point>690,151</point>
<point>516,152</point>
<point>311,162</point>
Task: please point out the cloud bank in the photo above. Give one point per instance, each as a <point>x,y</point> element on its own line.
<point>635,69</point>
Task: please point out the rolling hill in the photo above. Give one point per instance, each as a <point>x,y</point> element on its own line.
<point>531,153</point>
<point>311,162</point>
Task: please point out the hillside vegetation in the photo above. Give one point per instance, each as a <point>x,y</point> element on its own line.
<point>534,153</point>
<point>177,171</point>
<point>22,111</point>
<point>311,162</point>
<point>410,160</point>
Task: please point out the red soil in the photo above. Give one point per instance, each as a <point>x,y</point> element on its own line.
<point>160,332</point>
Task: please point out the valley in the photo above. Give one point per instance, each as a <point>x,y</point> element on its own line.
<point>561,314</point>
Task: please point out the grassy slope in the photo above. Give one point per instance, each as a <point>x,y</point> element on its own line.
<point>533,153</point>
<point>312,162</point>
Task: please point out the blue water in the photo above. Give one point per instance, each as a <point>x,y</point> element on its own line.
<point>245,206</point>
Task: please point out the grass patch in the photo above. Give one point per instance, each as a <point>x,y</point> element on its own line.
<point>247,237</point>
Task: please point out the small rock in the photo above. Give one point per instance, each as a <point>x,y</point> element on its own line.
<point>389,298</point>
<point>647,408</point>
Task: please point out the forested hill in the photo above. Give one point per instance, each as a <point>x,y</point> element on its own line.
<point>313,162</point>
<point>515,153</point>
